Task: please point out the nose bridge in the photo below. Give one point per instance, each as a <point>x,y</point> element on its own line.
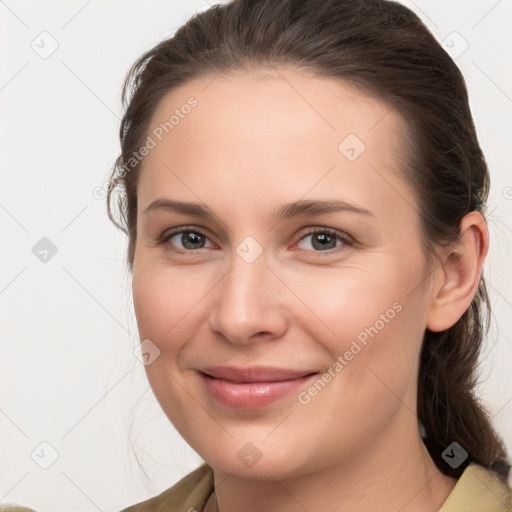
<point>247,302</point>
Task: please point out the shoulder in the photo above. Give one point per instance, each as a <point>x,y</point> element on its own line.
<point>189,493</point>
<point>479,489</point>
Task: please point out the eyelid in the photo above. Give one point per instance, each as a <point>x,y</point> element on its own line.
<point>324,229</point>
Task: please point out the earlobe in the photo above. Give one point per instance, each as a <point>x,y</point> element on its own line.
<point>461,269</point>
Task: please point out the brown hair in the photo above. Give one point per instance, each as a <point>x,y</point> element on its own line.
<point>383,48</point>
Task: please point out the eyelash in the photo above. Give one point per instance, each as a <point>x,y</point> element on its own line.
<point>165,237</point>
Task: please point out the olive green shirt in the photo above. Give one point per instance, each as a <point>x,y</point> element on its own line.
<point>477,490</point>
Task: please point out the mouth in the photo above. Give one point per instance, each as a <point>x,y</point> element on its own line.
<point>251,388</point>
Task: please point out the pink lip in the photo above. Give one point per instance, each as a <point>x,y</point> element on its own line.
<point>249,388</point>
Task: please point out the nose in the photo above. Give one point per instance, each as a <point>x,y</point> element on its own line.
<point>248,303</point>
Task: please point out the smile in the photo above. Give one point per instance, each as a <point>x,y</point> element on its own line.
<point>252,388</point>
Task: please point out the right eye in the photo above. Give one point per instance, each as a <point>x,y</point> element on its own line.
<point>186,240</point>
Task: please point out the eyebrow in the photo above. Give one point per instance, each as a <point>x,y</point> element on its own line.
<point>285,211</point>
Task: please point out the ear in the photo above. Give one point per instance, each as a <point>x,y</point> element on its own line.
<point>462,265</point>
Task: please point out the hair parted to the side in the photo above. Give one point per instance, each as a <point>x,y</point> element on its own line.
<point>383,48</point>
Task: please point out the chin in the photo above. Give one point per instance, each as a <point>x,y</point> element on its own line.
<point>249,460</point>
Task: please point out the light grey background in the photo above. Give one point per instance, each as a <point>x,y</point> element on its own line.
<point>68,373</point>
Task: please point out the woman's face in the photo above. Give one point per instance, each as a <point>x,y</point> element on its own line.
<point>292,273</point>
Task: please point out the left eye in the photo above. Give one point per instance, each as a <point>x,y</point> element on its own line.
<point>323,240</point>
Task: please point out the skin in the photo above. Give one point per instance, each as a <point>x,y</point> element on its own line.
<point>255,141</point>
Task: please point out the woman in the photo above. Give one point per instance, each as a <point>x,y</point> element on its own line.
<point>304,195</point>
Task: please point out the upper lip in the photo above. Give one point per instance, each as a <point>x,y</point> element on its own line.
<point>254,374</point>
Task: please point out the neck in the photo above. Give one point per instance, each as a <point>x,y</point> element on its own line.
<point>394,472</point>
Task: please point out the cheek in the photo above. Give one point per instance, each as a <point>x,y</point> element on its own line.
<point>370,325</point>
<point>165,302</point>
<point>167,305</point>
<point>370,373</point>
<point>356,303</point>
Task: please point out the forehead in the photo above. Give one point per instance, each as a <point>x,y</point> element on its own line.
<point>280,129</point>
<point>293,101</point>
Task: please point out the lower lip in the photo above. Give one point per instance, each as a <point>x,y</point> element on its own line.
<point>251,395</point>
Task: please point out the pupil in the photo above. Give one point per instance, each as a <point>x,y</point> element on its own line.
<point>189,239</point>
<point>324,241</point>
